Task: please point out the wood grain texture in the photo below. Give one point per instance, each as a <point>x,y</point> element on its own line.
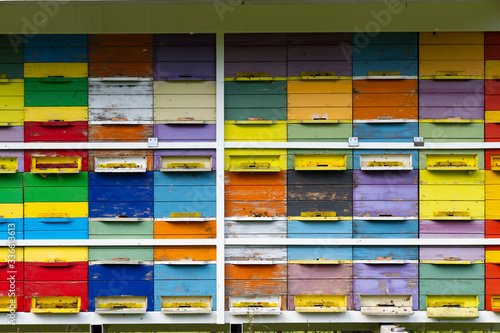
<point>120,133</point>
<point>173,253</point>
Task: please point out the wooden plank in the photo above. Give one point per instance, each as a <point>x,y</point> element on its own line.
<point>380,52</point>
<point>468,152</point>
<point>120,39</point>
<point>319,192</point>
<point>473,210</point>
<point>76,131</point>
<point>12,133</point>
<point>440,253</point>
<point>385,131</point>
<point>181,178</point>
<point>430,271</point>
<point>107,253</point>
<point>55,54</point>
<point>361,177</point>
<point>43,114</point>
<point>320,287</point>
<point>40,70</point>
<point>318,132</point>
<point>257,178</point>
<point>255,287</point>
<point>342,208</point>
<point>385,208</point>
<point>452,100</point>
<point>184,272</point>
<point>382,227</point>
<point>244,253</point>
<point>41,271</point>
<point>376,252</point>
<point>492,227</point>
<point>106,54</point>
<point>204,229</point>
<point>319,87</point>
<point>121,228</point>
<point>131,288</point>
<point>328,272</point>
<point>316,113</point>
<point>54,194</point>
<point>120,133</point>
<point>455,192</point>
<point>174,253</point>
<point>14,180</point>
<point>404,67</point>
<point>375,87</point>
<point>459,112</point>
<point>455,177</point>
<point>275,132</point>
<point>255,272</point>
<point>319,100</point>
<point>120,193</point>
<point>185,193</point>
<point>74,209</point>
<point>196,133</point>
<point>121,179</point>
<point>451,52</point>
<point>451,227</point>
<point>256,229</point>
<point>139,209</point>
<point>385,271</point>
<point>319,253</point>
<point>68,254</point>
<point>387,112</point>
<point>126,272</point>
<point>438,87</point>
<point>11,211</point>
<point>384,192</point>
<point>319,227</point>
<point>319,177</point>
<point>120,69</point>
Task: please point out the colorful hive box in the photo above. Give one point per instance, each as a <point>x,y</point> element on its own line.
<point>185,288</point>
<point>184,103</point>
<point>12,50</point>
<point>381,101</point>
<point>255,182</point>
<point>11,202</point>
<point>123,55</point>
<point>250,56</point>
<point>310,56</point>
<point>11,266</point>
<point>127,195</point>
<point>120,288</point>
<point>456,55</point>
<point>320,288</point>
<point>55,48</point>
<point>386,54</point>
<point>186,57</point>
<point>12,107</point>
<point>385,289</point>
<point>56,206</point>
<point>120,101</point>
<point>56,279</point>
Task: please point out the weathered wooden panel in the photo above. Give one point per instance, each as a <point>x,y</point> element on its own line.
<point>451,100</point>
<point>121,179</point>
<point>142,209</point>
<point>391,178</point>
<point>386,286</point>
<point>255,132</point>
<point>385,252</point>
<point>120,193</point>
<point>12,133</point>
<point>120,253</point>
<point>255,272</point>
<point>319,192</point>
<point>175,253</point>
<point>255,208</point>
<point>120,69</point>
<point>342,208</point>
<point>123,153</point>
<point>275,69</point>
<point>255,193</point>
<point>389,112</point>
<point>492,227</point>
<point>320,287</point>
<point>385,192</point>
<point>204,229</point>
<point>451,51</point>
<point>73,131</point>
<point>440,253</point>
<point>368,90</point>
<point>342,271</point>
<point>255,287</point>
<point>385,208</point>
<point>53,289</point>
<point>385,271</point>
<point>256,229</point>
<point>376,51</point>
<point>184,289</point>
<point>130,288</point>
<point>319,177</point>
<point>56,254</point>
<point>121,272</point>
<point>196,133</point>
<point>120,133</point>
<point>56,271</point>
<point>50,114</point>
<point>430,88</point>
<point>451,287</point>
<point>246,253</point>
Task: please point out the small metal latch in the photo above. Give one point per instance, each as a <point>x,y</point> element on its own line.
<point>353,141</point>
<point>418,141</point>
<point>152,142</point>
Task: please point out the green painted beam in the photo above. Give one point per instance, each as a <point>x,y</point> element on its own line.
<point>227,16</point>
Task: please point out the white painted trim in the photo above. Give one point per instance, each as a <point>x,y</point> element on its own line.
<point>220,208</point>
<point>103,145</point>
<point>259,242</point>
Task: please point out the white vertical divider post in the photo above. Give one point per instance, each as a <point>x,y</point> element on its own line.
<point>219,77</point>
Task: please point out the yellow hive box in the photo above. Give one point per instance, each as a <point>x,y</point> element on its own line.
<point>452,192</point>
<point>5,253</point>
<point>56,113</point>
<point>320,162</point>
<point>320,303</point>
<point>256,131</point>
<point>452,306</point>
<point>56,254</point>
<point>60,304</point>
<point>11,211</point>
<point>271,159</point>
<point>452,177</point>
<point>449,162</point>
<point>451,210</point>
<point>492,70</point>
<point>56,209</point>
